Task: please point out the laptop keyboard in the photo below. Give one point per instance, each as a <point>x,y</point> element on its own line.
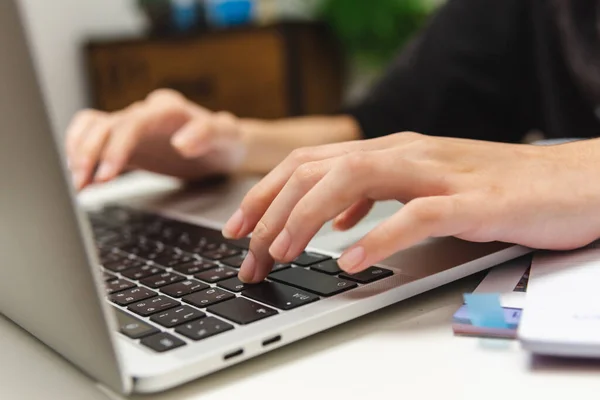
<point>172,282</point>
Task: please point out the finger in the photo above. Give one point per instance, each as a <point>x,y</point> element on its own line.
<point>204,133</point>
<point>353,215</point>
<point>122,143</point>
<point>78,128</point>
<point>418,220</point>
<point>348,181</point>
<point>89,152</point>
<point>269,227</point>
<point>259,198</point>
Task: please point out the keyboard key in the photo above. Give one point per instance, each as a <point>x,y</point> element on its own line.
<point>162,342</point>
<point>153,305</point>
<point>370,274</point>
<point>243,243</point>
<point>195,267</point>
<point>160,280</point>
<point>124,264</point>
<point>305,259</point>
<point>220,253</point>
<point>242,311</point>
<point>234,262</point>
<point>106,276</point>
<point>131,296</point>
<point>182,288</point>
<point>329,267</point>
<point>217,274</point>
<point>278,295</point>
<point>203,328</point>
<point>279,267</point>
<point>207,297</point>
<point>173,259</point>
<point>315,282</point>
<point>132,327</point>
<point>233,285</point>
<point>177,316</point>
<point>118,285</point>
<point>143,272</point>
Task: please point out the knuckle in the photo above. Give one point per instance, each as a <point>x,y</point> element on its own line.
<point>301,155</point>
<point>356,162</point>
<point>307,173</point>
<point>409,135</point>
<point>427,212</point>
<point>165,95</point>
<point>261,232</point>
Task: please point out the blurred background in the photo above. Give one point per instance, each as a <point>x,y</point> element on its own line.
<point>255,58</point>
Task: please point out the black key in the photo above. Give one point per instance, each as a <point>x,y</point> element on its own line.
<point>315,282</point>
<point>108,277</point>
<point>279,267</point>
<point>242,311</point>
<point>118,285</point>
<point>152,306</point>
<point>305,259</point>
<point>143,272</point>
<point>220,253</point>
<point>243,243</point>
<point>195,267</point>
<point>177,316</point>
<point>110,256</point>
<point>132,327</point>
<point>160,280</point>
<point>278,295</point>
<point>162,342</point>
<point>233,285</point>
<point>124,264</point>
<point>203,328</point>
<point>234,262</point>
<point>217,274</point>
<point>182,288</point>
<point>370,274</point>
<point>131,296</point>
<point>207,297</point>
<point>173,259</point>
<point>329,267</point>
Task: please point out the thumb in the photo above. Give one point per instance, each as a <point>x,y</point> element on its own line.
<point>204,132</point>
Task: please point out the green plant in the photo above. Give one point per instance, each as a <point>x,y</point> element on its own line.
<point>373,30</point>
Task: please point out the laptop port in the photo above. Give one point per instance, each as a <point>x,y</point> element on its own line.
<point>233,354</point>
<point>271,340</point>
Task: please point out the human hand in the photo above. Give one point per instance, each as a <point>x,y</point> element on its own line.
<point>541,197</point>
<point>165,133</point>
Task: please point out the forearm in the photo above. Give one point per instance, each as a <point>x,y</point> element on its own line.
<point>269,142</point>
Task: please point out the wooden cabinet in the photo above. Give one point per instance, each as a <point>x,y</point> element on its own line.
<point>263,72</point>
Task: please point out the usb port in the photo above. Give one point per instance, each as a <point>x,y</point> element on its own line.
<point>233,354</point>
<point>271,340</point>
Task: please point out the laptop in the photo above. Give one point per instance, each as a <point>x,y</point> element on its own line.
<point>141,301</point>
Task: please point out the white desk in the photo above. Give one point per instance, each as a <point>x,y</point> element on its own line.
<point>406,351</point>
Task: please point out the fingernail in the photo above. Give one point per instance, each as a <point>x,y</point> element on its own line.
<point>234,225</point>
<point>247,269</point>
<point>105,172</point>
<point>281,245</point>
<point>352,259</point>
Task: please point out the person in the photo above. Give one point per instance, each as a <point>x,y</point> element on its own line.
<point>480,76</point>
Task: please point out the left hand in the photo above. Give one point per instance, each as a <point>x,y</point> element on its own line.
<point>541,197</point>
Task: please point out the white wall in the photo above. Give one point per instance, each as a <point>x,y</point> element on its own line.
<point>57,29</point>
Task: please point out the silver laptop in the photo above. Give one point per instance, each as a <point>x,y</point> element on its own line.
<point>143,302</point>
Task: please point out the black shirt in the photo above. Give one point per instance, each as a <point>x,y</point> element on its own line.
<point>482,69</point>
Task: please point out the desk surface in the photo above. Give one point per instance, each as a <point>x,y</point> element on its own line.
<point>404,351</point>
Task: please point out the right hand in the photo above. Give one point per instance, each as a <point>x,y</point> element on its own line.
<point>165,133</point>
